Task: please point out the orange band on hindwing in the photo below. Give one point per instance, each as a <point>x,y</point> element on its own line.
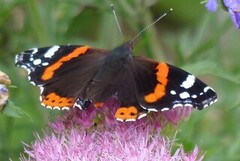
<point>54,100</point>
<point>127,113</point>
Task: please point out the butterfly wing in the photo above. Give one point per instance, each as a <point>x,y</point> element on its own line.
<point>62,72</point>
<point>161,86</point>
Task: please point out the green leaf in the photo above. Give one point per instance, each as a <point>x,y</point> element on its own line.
<point>10,109</point>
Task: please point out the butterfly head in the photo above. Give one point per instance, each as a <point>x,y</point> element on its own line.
<point>123,52</point>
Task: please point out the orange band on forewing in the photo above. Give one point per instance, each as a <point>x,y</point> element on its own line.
<point>54,100</point>
<point>49,71</point>
<point>162,73</point>
<point>159,90</point>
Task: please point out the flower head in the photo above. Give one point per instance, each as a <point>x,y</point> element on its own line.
<point>125,141</point>
<point>94,134</point>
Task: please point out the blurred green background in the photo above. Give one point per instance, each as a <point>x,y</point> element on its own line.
<point>205,44</point>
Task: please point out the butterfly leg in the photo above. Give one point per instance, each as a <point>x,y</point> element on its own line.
<point>82,104</point>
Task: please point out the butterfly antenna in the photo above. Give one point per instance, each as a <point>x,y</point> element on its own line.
<point>116,19</point>
<point>154,22</point>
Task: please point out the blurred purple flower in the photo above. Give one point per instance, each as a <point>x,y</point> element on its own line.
<point>94,134</point>
<point>233,7</point>
<point>3,89</point>
<point>212,5</point>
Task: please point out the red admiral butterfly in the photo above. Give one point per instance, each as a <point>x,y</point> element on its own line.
<point>77,76</point>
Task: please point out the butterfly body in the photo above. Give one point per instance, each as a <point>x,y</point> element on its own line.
<point>77,76</point>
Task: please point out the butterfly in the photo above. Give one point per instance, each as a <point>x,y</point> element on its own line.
<point>76,76</point>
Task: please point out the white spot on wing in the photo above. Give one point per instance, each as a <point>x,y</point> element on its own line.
<point>142,115</point>
<point>45,64</point>
<point>194,96</point>
<point>28,71</point>
<point>119,119</point>
<point>31,81</point>
<point>40,98</point>
<point>206,105</point>
<point>211,103</point>
<point>37,62</point>
<point>177,105</point>
<point>41,89</point>
<point>152,109</point>
<point>188,105</point>
<point>56,108</point>
<point>173,92</point>
<point>184,95</point>
<point>49,107</point>
<point>16,59</point>
<point>128,120</point>
<point>65,108</point>
<point>51,51</point>
<point>35,50</point>
<point>206,89</point>
<point>165,109</point>
<point>77,105</point>
<point>188,83</point>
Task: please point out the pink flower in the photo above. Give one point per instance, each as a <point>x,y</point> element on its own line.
<point>94,134</point>
<point>135,143</point>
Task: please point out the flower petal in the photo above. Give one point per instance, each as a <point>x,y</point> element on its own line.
<point>235,18</point>
<point>232,4</point>
<point>212,5</point>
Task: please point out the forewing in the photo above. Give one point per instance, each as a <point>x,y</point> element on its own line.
<point>161,86</point>
<point>62,72</point>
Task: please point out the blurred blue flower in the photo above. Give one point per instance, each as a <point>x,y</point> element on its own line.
<point>212,5</point>
<point>232,6</point>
